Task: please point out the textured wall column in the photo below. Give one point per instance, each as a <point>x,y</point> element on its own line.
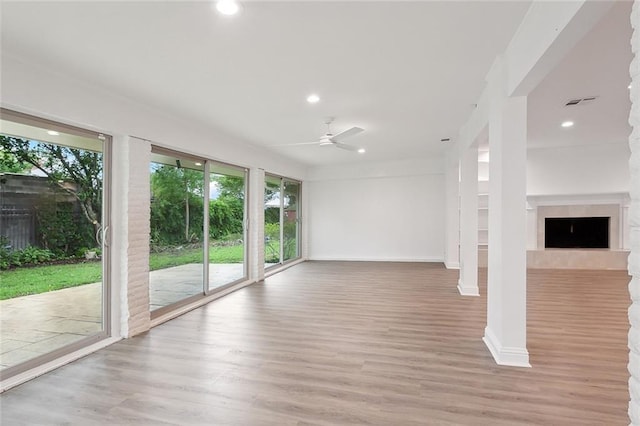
<point>256,224</point>
<point>468,282</point>
<point>452,211</point>
<point>634,221</point>
<point>131,238</point>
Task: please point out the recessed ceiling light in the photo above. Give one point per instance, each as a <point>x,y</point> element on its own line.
<point>198,164</point>
<point>313,98</point>
<point>228,7</point>
<point>361,151</point>
<point>53,132</point>
<point>567,123</point>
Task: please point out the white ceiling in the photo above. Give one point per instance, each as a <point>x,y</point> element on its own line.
<point>407,72</point>
<point>597,66</point>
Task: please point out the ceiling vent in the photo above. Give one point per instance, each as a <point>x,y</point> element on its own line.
<point>581,101</point>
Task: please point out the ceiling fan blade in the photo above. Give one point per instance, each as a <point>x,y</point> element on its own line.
<point>298,144</point>
<point>347,134</point>
<point>345,146</point>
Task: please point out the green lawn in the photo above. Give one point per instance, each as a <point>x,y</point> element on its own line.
<point>40,279</point>
<point>228,254</point>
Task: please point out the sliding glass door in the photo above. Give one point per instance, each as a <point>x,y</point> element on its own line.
<point>272,220</point>
<point>198,211</point>
<point>54,236</point>
<point>290,220</point>
<point>176,240</point>
<point>227,230</point>
<point>282,220</point>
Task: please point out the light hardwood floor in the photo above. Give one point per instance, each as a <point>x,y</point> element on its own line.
<point>338,343</point>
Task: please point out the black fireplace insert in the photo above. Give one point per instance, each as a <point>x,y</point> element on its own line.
<point>576,232</point>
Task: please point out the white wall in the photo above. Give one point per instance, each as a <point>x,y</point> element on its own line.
<point>384,211</point>
<point>32,89</point>
<point>598,169</point>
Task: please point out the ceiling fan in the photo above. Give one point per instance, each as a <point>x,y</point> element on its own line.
<point>329,139</point>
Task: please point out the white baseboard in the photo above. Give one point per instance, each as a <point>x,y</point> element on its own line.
<point>452,265</point>
<point>379,259</point>
<point>467,291</point>
<point>503,355</point>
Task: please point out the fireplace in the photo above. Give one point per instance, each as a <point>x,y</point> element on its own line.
<point>576,232</point>
<point>608,215</point>
<point>571,252</point>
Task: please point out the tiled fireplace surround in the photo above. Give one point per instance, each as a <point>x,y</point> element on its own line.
<point>614,206</point>
<point>613,258</point>
<point>611,211</point>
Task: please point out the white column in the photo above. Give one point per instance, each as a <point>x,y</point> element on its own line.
<point>452,211</point>
<point>256,224</point>
<point>506,331</point>
<point>634,221</point>
<point>468,282</point>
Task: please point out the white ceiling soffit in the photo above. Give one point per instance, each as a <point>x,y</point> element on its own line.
<point>597,67</point>
<point>407,72</point>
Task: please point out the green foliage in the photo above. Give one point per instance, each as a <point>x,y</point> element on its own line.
<point>82,251</point>
<point>230,186</point>
<point>225,216</point>
<point>9,163</point>
<point>272,231</point>
<point>272,215</point>
<point>272,241</point>
<point>62,231</point>
<point>27,256</point>
<point>61,165</point>
<point>5,253</point>
<point>178,193</point>
<point>290,244</point>
<point>176,205</point>
<point>169,182</point>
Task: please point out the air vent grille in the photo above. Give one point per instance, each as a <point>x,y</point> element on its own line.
<point>580,101</point>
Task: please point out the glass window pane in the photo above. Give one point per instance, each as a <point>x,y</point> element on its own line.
<point>272,221</point>
<point>226,226</point>
<point>51,251</point>
<point>291,240</point>
<point>177,213</point>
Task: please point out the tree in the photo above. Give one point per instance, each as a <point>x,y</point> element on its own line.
<point>230,186</point>
<point>176,213</point>
<point>60,164</point>
<point>10,164</point>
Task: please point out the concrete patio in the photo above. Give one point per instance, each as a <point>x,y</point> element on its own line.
<point>34,325</point>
